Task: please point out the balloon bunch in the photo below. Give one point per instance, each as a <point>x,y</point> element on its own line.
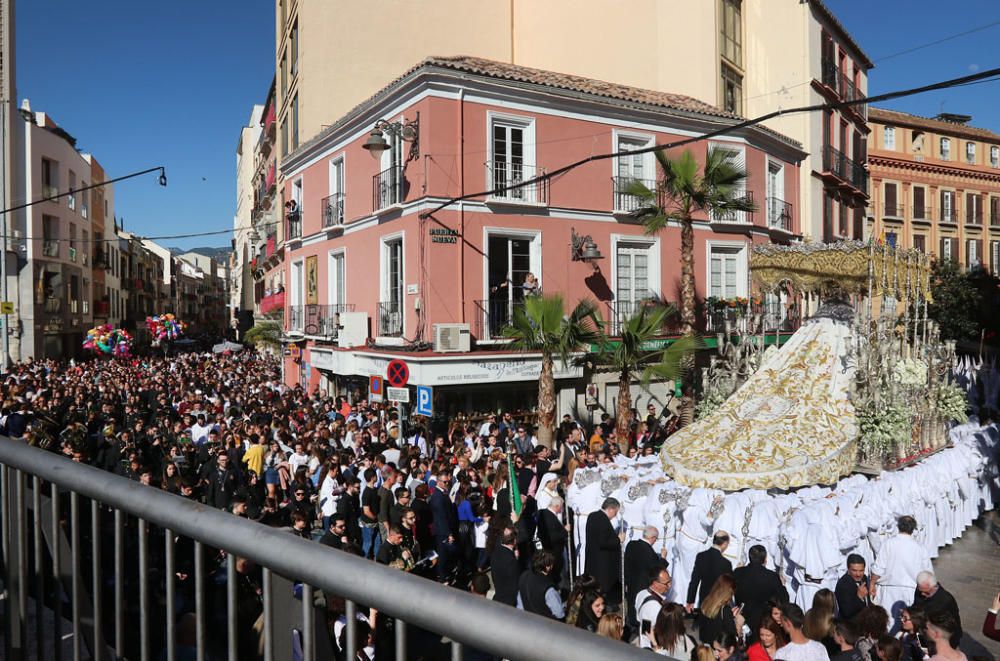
<point>164,327</point>
<point>109,340</point>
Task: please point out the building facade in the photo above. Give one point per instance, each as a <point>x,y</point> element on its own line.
<point>52,241</point>
<point>269,229</point>
<point>936,186</point>
<point>241,285</point>
<point>749,57</point>
<point>382,265</point>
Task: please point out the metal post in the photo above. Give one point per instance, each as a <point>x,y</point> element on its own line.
<point>98,587</point>
<point>168,553</point>
<point>268,617</point>
<point>143,591</point>
<point>351,640</point>
<point>119,577</point>
<point>57,593</point>
<point>308,621</point>
<point>457,653</point>
<point>74,521</point>
<point>231,645</point>
<point>199,600</point>
<point>400,639</point>
<point>22,557</point>
<point>39,564</point>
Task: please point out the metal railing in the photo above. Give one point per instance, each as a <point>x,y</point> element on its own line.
<point>390,319</point>
<point>625,202</point>
<point>723,215</point>
<point>318,320</point>
<point>922,212</point>
<point>510,176</point>
<point>388,188</point>
<point>333,210</point>
<point>974,217</point>
<point>294,219</point>
<point>893,210</point>
<point>494,315</point>
<point>949,215</point>
<point>779,214</point>
<point>98,542</point>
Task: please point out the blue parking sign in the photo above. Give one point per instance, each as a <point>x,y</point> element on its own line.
<point>425,398</point>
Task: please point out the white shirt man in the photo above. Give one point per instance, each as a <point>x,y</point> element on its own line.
<point>648,604</point>
<point>799,648</point>
<point>894,572</point>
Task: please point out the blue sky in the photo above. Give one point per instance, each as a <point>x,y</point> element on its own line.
<point>141,84</point>
<point>886,27</point>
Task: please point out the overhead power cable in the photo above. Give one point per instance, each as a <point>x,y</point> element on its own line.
<point>981,76</point>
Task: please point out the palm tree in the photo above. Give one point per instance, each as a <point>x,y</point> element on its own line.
<point>633,355</point>
<point>683,191</point>
<point>265,334</point>
<point>543,326</point>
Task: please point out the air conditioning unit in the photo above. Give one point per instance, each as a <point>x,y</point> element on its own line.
<point>449,338</point>
<point>353,330</point>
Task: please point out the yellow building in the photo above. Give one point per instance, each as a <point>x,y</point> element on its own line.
<point>936,186</point>
<point>747,56</point>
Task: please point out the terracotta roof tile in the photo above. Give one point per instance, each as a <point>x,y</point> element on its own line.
<point>884,116</point>
<point>574,83</point>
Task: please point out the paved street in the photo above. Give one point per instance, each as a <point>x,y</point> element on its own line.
<point>970,570</point>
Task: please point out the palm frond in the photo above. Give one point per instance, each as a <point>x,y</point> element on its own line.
<point>675,361</point>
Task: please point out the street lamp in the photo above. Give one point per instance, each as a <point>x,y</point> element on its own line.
<point>583,248</point>
<point>405,130</point>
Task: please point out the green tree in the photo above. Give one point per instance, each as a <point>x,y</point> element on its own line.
<point>264,334</point>
<point>633,356</point>
<point>964,302</point>
<point>543,326</point>
<point>684,190</point>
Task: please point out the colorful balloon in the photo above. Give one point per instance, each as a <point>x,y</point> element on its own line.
<point>164,327</point>
<point>108,340</point>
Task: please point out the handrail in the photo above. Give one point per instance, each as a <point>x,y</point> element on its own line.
<point>511,633</point>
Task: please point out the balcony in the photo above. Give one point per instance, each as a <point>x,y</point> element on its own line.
<point>851,172</point>
<point>49,190</point>
<point>318,320</point>
<point>388,188</point>
<point>50,247</point>
<point>510,178</point>
<point>974,218</point>
<point>71,201</point>
<point>102,308</point>
<point>390,319</point>
<point>625,202</point>
<point>273,303</point>
<point>844,87</point>
<point>333,210</point>
<point>84,210</point>
<point>922,214</point>
<point>779,214</point>
<point>72,254</point>
<point>995,218</point>
<point>895,211</point>
<point>732,216</point>
<point>949,215</point>
<point>493,316</point>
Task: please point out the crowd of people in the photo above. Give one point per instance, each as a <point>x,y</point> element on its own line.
<point>480,507</point>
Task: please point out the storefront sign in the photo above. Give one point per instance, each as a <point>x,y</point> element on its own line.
<point>401,395</point>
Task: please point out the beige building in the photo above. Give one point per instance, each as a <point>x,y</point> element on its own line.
<point>747,56</point>
<point>241,286</point>
<point>936,186</point>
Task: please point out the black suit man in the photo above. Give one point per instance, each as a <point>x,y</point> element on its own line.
<point>445,523</point>
<point>505,569</point>
<point>604,551</point>
<point>709,565</point>
<point>552,534</point>
<point>852,588</point>
<point>756,585</point>
<point>640,560</point>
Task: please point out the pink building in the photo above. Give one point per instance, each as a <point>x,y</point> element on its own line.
<point>372,277</point>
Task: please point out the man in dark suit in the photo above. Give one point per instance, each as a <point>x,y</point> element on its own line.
<point>932,597</point>
<point>220,483</point>
<point>756,585</point>
<point>604,551</point>
<point>445,524</point>
<point>709,565</point>
<point>553,533</point>
<point>505,569</point>
<point>852,588</point>
<point>640,560</point>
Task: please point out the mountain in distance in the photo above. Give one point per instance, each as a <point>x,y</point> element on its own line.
<point>218,253</point>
